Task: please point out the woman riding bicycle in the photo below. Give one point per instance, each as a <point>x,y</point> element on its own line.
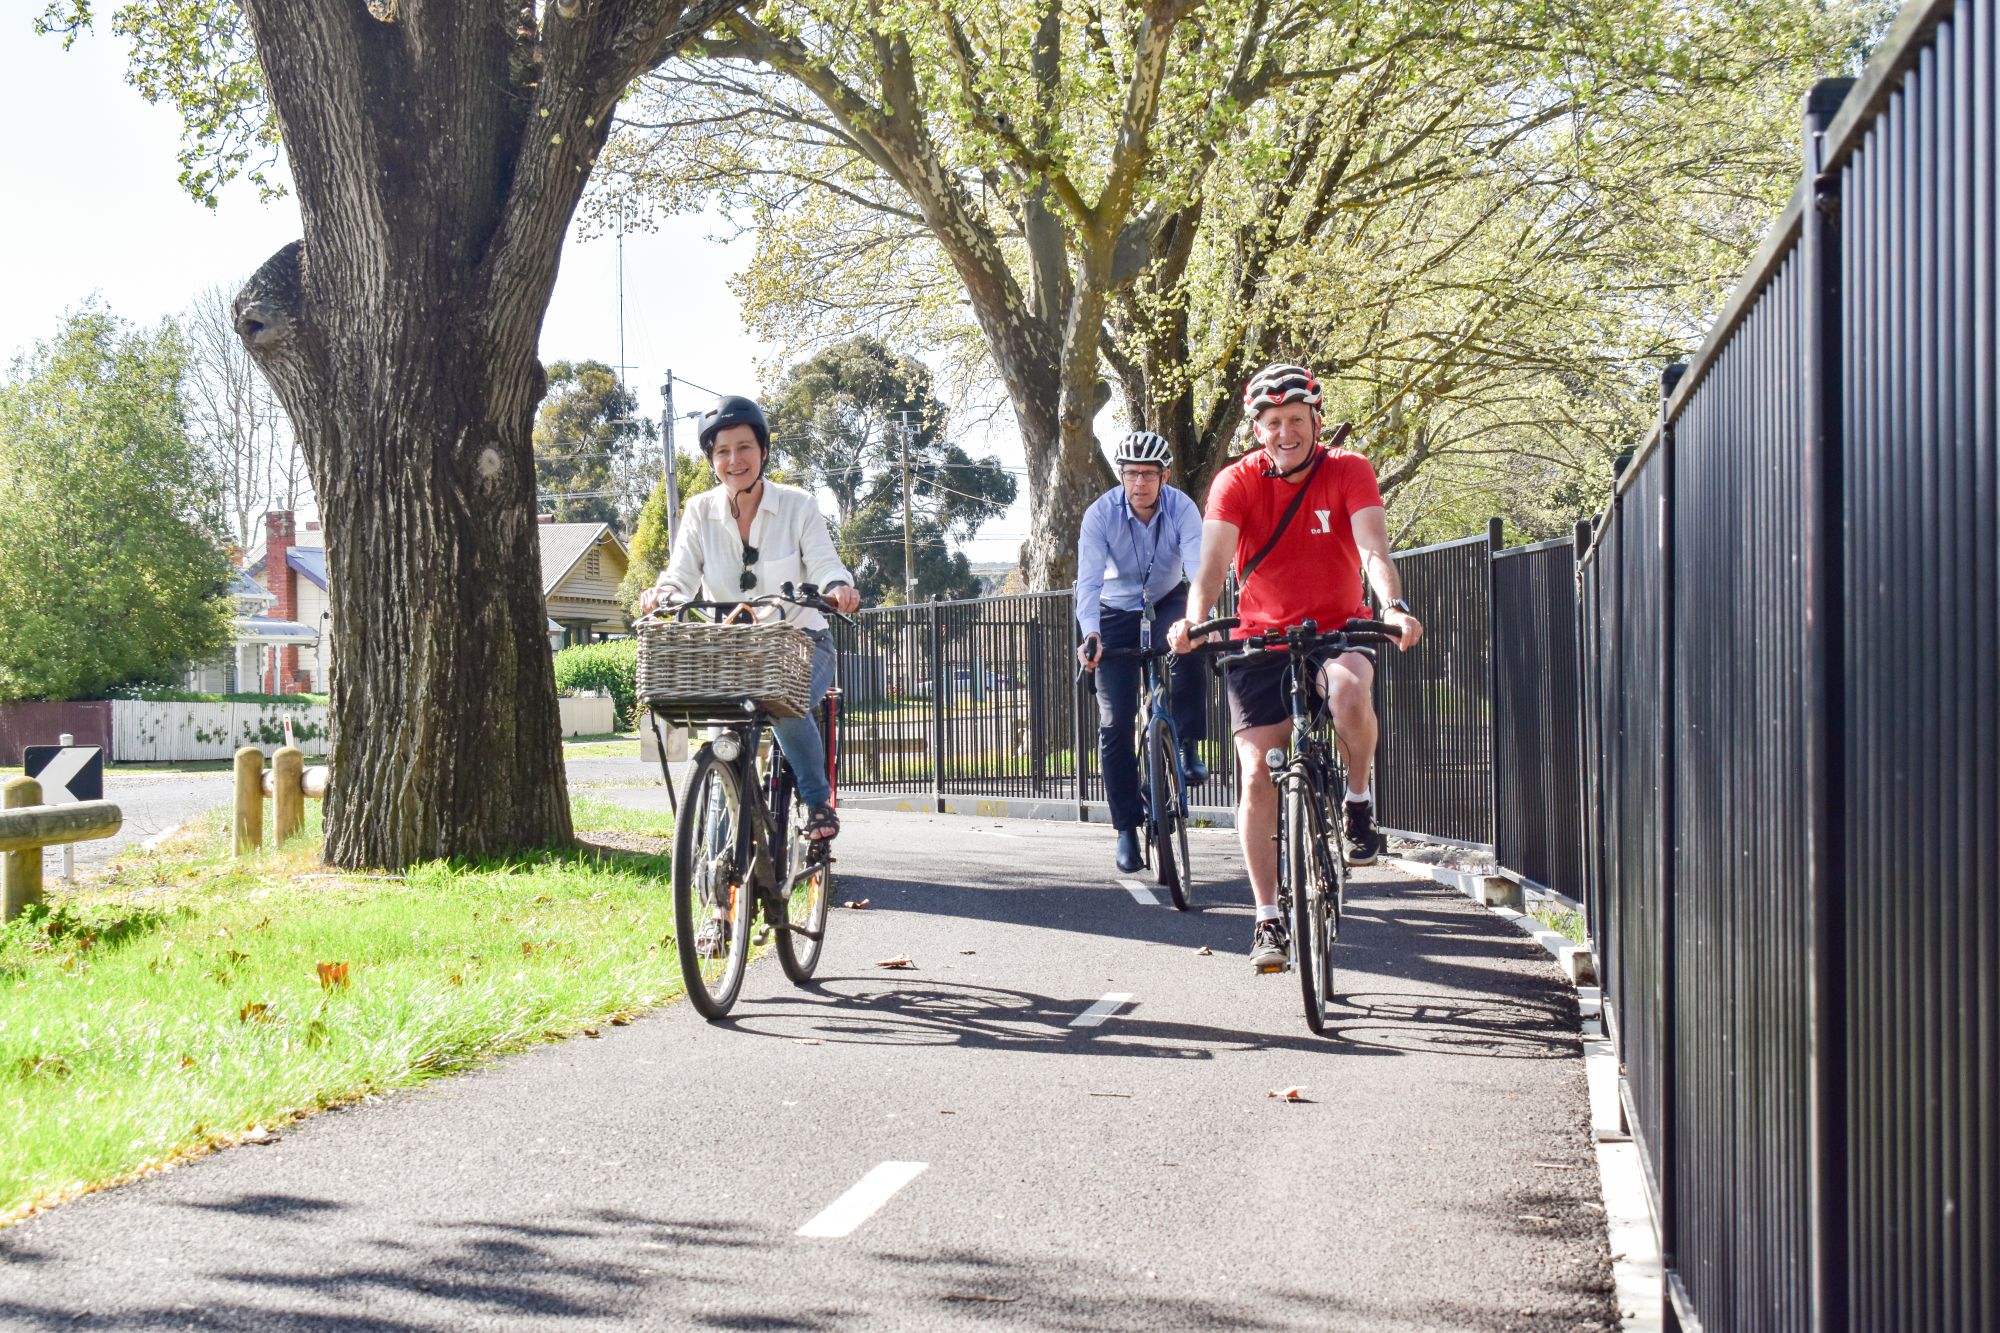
<point>751,536</point>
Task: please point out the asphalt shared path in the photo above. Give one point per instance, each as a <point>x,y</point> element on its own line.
<point>1058,1118</point>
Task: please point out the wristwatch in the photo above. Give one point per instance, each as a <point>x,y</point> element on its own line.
<point>1399,605</point>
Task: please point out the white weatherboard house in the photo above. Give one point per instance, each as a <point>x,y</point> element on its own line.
<point>260,642</point>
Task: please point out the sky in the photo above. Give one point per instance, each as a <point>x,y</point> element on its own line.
<point>98,211</point>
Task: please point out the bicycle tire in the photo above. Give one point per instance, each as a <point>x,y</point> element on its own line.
<point>709,874</point>
<point>1164,820</point>
<point>1311,949</point>
<point>808,896</point>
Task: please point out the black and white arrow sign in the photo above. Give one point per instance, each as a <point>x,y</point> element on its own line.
<point>68,773</point>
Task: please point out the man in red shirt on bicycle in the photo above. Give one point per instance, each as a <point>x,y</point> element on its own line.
<point>1288,570</point>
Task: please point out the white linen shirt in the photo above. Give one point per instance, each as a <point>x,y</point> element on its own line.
<point>794,545</point>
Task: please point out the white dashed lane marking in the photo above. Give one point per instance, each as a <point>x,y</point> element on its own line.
<point>1140,892</point>
<point>1100,1011</point>
<point>868,1194</point>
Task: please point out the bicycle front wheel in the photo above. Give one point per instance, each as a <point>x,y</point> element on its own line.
<point>1312,939</point>
<point>713,904</point>
<point>808,870</point>
<point>1168,826</point>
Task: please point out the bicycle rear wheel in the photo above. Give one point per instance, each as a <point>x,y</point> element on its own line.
<point>1166,827</point>
<point>1312,942</point>
<point>713,905</point>
<point>808,871</point>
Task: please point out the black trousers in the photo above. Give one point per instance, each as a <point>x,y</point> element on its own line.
<point>1118,681</point>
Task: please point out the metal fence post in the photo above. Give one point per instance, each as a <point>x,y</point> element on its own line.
<point>1038,711</point>
<point>1496,541</point>
<point>1825,697</point>
<point>1586,678</point>
<point>938,686</point>
<point>1667,1152</point>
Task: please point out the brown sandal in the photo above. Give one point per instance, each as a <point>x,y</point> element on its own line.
<point>821,823</point>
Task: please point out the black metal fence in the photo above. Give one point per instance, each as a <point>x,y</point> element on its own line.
<point>1791,724</point>
<point>1538,803</point>
<point>1436,770</point>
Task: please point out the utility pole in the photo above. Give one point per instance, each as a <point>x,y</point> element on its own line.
<point>909,546</point>
<point>667,461</point>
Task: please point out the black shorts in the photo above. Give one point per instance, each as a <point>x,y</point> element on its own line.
<point>1259,693</point>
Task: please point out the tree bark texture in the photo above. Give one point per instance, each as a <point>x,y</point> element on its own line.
<point>439,150</point>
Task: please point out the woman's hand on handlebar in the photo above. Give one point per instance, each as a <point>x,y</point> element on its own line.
<point>650,599</point>
<point>844,598</point>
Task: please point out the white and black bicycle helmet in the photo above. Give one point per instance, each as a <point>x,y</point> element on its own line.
<point>1143,446</point>
<point>1276,385</point>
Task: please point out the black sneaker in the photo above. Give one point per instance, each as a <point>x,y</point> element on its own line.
<point>1365,842</point>
<point>1128,850</point>
<point>1270,946</point>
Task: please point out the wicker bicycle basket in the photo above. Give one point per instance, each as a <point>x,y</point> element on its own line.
<point>699,671</point>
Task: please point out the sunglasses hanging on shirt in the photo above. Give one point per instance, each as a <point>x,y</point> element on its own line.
<point>749,579</point>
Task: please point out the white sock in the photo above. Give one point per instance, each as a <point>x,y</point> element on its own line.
<point>1361,797</point>
<point>1267,912</point>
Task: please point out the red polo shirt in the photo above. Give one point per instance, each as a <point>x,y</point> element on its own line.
<point>1314,572</point>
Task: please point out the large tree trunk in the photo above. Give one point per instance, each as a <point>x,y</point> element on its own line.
<point>439,152</point>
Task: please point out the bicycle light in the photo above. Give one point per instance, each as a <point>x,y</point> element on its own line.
<point>728,747</point>
<point>1274,758</point>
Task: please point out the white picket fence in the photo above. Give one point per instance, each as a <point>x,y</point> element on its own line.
<point>146,732</point>
<point>143,731</point>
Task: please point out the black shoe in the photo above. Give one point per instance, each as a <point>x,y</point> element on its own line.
<point>1365,842</point>
<point>1193,771</point>
<point>1270,946</point>
<point>1128,849</point>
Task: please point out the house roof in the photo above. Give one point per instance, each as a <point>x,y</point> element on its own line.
<point>270,629</point>
<point>309,561</point>
<point>242,585</point>
<point>563,544</point>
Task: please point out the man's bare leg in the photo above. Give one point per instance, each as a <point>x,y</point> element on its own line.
<point>1257,808</point>
<point>1347,683</point>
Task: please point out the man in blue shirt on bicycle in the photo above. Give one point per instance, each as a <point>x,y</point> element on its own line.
<point>1139,545</point>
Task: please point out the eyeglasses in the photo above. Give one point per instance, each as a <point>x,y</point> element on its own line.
<point>749,579</point>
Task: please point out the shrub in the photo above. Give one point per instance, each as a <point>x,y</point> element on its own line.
<point>611,666</point>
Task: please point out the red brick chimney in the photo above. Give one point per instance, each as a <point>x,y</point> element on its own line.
<point>282,581</point>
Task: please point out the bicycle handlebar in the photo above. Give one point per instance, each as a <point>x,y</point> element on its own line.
<point>806,595</point>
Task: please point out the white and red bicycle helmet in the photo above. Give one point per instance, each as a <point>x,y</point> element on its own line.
<point>1276,385</point>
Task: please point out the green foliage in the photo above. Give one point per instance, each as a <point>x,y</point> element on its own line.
<point>196,56</point>
<point>198,697</point>
<point>611,666</point>
<point>587,439</point>
<point>838,421</point>
<point>179,1003</point>
<point>107,572</point>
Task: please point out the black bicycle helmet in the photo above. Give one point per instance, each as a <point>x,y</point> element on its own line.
<point>734,410</point>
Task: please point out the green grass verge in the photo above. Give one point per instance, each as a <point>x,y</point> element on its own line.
<point>602,747</point>
<point>177,1004</point>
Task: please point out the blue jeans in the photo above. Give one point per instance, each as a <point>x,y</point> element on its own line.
<point>799,738</point>
<point>1118,681</point>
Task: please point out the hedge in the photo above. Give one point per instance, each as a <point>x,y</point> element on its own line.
<point>611,666</point>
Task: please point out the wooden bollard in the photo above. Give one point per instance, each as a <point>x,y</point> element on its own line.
<point>20,872</point>
<point>288,793</point>
<point>249,801</point>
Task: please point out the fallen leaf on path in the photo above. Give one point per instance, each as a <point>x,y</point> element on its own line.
<point>1296,1094</point>
<point>260,1135</point>
<point>968,951</point>
<point>1204,951</point>
<point>592,1032</point>
<point>900,960</point>
<point>621,1022</point>
<point>332,975</point>
<point>947,1113</point>
<point>855,904</point>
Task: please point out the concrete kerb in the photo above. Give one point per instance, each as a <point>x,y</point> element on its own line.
<point>1636,1273</point>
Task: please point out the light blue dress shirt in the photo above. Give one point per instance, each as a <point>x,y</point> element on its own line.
<point>1122,563</point>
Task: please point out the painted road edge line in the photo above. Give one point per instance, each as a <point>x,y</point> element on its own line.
<point>1140,892</point>
<point>1102,1010</point>
<point>850,1210</point>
